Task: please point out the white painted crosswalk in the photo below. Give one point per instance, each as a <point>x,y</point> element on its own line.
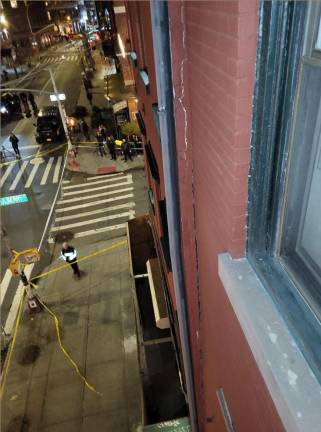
<point>55,59</point>
<point>32,172</point>
<point>101,204</point>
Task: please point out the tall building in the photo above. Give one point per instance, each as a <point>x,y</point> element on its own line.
<point>29,27</point>
<point>229,105</point>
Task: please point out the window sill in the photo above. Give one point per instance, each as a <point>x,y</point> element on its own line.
<point>292,385</point>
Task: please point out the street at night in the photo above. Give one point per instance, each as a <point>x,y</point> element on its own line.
<point>160,216</point>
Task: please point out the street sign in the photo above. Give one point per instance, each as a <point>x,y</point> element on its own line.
<point>14,199</point>
<point>119,106</point>
<point>177,425</point>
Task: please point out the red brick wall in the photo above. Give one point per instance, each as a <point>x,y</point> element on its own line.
<point>142,43</point>
<point>213,60</point>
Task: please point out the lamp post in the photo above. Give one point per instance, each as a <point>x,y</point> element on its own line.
<point>61,109</point>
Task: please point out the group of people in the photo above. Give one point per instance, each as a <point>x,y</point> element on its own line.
<point>103,139</point>
<point>26,99</point>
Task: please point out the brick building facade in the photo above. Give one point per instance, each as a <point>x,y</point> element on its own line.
<point>214,52</point>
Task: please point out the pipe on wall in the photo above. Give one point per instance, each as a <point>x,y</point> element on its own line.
<point>161,43</point>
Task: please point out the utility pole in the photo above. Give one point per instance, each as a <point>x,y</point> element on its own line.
<point>61,109</point>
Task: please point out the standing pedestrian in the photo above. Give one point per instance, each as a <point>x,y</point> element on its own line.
<point>100,140</point>
<point>69,254</point>
<point>89,97</point>
<point>126,150</point>
<point>112,147</point>
<point>14,142</point>
<point>85,129</point>
<point>32,102</point>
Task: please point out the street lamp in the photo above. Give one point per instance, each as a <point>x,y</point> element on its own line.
<point>59,97</point>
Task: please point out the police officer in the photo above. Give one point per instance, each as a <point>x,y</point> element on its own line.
<point>69,254</point>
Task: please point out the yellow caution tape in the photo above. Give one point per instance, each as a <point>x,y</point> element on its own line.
<point>11,346</point>
<point>38,154</point>
<point>85,258</point>
<point>56,320</point>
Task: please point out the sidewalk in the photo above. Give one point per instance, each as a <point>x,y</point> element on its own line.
<point>43,393</point>
<point>88,158</point>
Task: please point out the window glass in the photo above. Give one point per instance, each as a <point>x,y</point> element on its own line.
<point>318,41</point>
<point>300,246</point>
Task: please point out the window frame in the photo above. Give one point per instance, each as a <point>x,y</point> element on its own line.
<point>280,47</point>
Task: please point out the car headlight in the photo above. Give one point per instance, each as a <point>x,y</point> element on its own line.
<point>3,110</point>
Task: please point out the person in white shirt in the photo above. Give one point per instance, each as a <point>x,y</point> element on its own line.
<point>69,254</point>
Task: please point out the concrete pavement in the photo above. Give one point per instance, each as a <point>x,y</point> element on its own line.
<point>97,321</point>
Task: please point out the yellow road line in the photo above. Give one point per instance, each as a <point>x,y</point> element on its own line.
<point>12,344</point>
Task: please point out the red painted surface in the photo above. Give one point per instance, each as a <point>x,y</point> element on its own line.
<point>213,50</point>
<point>141,41</point>
<point>213,47</point>
<point>106,170</point>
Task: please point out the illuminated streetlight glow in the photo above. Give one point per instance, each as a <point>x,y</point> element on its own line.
<point>3,20</point>
<point>121,45</point>
<point>54,97</point>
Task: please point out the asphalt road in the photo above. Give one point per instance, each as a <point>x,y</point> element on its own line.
<point>38,174</point>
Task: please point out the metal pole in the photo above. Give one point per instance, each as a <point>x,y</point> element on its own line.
<point>61,110</point>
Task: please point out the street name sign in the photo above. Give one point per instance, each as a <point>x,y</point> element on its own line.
<point>14,199</point>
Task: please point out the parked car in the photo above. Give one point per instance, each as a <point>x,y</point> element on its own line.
<point>10,107</point>
<point>49,125</point>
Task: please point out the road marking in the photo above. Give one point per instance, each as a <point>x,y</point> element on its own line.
<point>65,181</point>
<point>4,284</point>
<point>94,203</point>
<point>16,301</point>
<point>18,176</point>
<point>90,213</point>
<point>93,221</point>
<point>108,186</point>
<point>33,173</point>
<point>6,174</point>
<point>29,147</point>
<point>104,176</point>
<point>94,231</point>
<point>81,185</point>
<point>70,200</point>
<point>47,170</point>
<point>57,170</point>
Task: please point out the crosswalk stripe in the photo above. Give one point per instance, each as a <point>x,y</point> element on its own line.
<point>104,176</point>
<point>107,180</point>
<point>108,186</point>
<point>32,174</point>
<point>129,205</point>
<point>57,170</point>
<point>57,59</point>
<point>47,170</point>
<point>4,284</point>
<point>94,231</point>
<point>65,181</point>
<point>70,200</point>
<point>94,203</point>
<point>6,174</point>
<point>93,221</point>
<point>18,176</point>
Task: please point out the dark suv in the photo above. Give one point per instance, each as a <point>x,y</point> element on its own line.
<point>49,126</point>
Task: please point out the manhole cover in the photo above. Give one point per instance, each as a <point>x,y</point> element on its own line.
<point>62,236</point>
<point>28,355</point>
<point>19,424</point>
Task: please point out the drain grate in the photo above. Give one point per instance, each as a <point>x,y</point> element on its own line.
<point>28,355</point>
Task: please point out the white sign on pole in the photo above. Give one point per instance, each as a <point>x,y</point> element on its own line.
<point>119,106</point>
